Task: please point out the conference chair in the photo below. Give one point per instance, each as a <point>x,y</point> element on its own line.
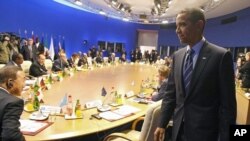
<point>48,64</point>
<point>2,65</point>
<point>116,59</point>
<point>105,59</point>
<point>26,66</point>
<point>147,132</point>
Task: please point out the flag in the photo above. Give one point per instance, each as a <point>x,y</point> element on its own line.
<point>46,42</point>
<point>64,101</point>
<point>63,43</point>
<point>51,49</point>
<point>33,36</point>
<point>42,39</point>
<point>104,92</point>
<point>59,46</point>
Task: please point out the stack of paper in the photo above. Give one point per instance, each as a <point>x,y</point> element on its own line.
<point>119,113</point>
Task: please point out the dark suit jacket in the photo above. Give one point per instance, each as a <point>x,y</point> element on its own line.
<point>71,62</point>
<point>245,75</point>
<point>12,63</point>
<point>11,109</point>
<point>59,65</point>
<point>210,106</point>
<point>26,53</point>
<point>37,70</point>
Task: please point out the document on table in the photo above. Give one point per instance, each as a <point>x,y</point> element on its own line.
<point>30,127</point>
<point>119,113</point>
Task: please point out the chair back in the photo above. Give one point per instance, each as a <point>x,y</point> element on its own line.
<point>105,59</point>
<point>150,122</point>
<point>2,65</point>
<point>26,66</point>
<point>89,60</point>
<point>48,64</point>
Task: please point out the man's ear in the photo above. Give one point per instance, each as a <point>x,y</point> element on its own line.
<point>200,24</point>
<point>9,83</point>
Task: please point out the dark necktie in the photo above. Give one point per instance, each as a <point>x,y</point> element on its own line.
<point>188,69</point>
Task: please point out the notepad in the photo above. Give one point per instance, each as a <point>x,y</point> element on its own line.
<point>121,112</point>
<point>30,127</point>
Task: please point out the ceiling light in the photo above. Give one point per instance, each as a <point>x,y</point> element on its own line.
<point>125,19</point>
<point>170,2</point>
<point>78,2</point>
<point>216,0</point>
<point>164,22</point>
<point>114,2</point>
<point>158,5</point>
<point>102,13</point>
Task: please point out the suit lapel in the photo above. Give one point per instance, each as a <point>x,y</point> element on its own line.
<point>180,60</point>
<point>200,65</point>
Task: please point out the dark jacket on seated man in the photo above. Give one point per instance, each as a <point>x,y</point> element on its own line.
<point>59,65</point>
<point>245,75</point>
<point>37,70</point>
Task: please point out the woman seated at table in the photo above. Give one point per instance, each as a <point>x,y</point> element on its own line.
<point>163,73</point>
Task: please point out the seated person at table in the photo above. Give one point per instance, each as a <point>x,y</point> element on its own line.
<point>245,73</point>
<point>12,80</point>
<point>38,68</point>
<point>123,58</point>
<point>99,59</point>
<point>83,61</point>
<point>17,60</point>
<point>61,63</point>
<point>73,60</point>
<point>163,73</point>
<point>111,58</point>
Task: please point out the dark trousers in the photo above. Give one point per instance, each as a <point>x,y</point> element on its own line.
<point>181,135</point>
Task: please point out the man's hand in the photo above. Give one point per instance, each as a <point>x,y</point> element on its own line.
<point>159,134</point>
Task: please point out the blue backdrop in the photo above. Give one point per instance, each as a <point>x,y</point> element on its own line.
<point>48,18</point>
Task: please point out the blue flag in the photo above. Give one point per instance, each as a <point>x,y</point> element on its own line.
<point>64,101</point>
<point>104,92</point>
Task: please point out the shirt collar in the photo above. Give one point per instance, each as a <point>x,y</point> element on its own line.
<point>197,47</point>
<point>4,89</point>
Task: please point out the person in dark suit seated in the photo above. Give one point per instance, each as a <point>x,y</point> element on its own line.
<point>99,59</point>
<point>83,61</point>
<point>17,60</point>
<point>38,68</point>
<point>61,63</point>
<point>200,93</point>
<point>123,58</point>
<point>12,81</point>
<point>163,73</point>
<point>245,73</point>
<point>111,58</point>
<point>73,60</point>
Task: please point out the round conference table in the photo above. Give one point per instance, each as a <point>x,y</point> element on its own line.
<point>86,86</point>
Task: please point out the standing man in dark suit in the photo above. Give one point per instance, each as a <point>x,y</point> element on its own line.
<point>201,91</point>
<point>38,67</point>
<point>29,51</point>
<point>11,107</point>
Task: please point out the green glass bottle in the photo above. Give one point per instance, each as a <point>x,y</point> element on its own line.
<point>50,79</point>
<point>36,87</point>
<point>36,103</point>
